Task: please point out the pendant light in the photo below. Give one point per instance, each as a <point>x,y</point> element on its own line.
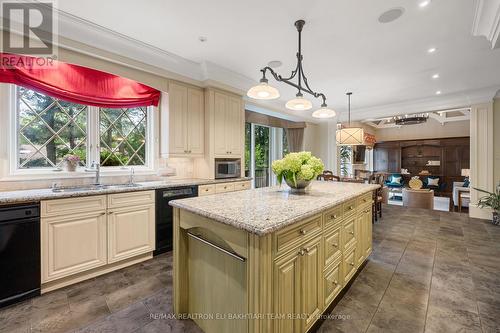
<point>350,136</point>
<point>264,91</point>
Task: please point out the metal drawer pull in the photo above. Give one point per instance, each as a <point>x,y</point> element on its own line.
<point>303,231</point>
<point>307,250</point>
<point>335,282</point>
<point>351,207</point>
<point>351,263</point>
<point>234,255</point>
<point>335,245</point>
<point>334,216</point>
<point>351,232</point>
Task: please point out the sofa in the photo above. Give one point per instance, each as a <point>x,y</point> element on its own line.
<point>459,186</point>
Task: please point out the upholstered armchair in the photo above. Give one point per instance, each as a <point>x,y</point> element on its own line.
<point>459,186</point>
<point>392,181</point>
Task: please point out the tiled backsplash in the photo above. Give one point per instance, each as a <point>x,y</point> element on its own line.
<point>183,166</point>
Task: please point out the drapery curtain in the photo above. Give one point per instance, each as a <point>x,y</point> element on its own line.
<point>295,138</point>
<point>75,83</point>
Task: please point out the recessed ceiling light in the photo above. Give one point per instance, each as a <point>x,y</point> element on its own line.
<point>202,39</point>
<point>274,64</point>
<point>431,50</point>
<point>438,92</point>
<point>424,3</point>
<point>391,15</point>
<point>435,76</point>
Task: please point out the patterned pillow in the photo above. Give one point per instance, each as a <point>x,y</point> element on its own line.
<point>396,180</point>
<point>432,181</point>
<point>466,182</point>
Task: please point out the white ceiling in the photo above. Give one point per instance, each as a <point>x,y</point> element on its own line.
<point>345,47</point>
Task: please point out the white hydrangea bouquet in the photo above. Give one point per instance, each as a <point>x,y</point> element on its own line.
<point>298,169</point>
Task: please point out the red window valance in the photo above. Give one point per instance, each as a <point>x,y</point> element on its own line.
<point>75,83</point>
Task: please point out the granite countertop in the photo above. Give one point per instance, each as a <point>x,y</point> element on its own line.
<point>266,210</point>
<point>12,197</point>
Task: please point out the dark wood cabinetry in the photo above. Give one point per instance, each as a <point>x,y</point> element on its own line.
<point>453,155</point>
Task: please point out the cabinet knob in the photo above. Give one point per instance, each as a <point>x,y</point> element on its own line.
<point>335,245</point>
<point>351,207</point>
<point>351,232</point>
<point>301,252</point>
<point>303,231</point>
<point>334,216</point>
<point>351,263</point>
<point>335,282</point>
<point>206,190</point>
<point>306,249</point>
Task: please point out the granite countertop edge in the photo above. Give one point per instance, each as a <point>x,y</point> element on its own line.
<point>273,227</point>
<point>35,195</point>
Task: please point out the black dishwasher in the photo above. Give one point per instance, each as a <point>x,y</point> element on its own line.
<point>19,253</point>
<point>164,215</point>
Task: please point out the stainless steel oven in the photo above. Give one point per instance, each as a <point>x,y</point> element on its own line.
<point>227,168</point>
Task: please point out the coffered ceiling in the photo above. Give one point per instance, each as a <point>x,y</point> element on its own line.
<point>345,47</point>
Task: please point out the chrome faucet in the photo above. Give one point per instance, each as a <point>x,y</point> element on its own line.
<point>95,167</point>
<point>131,176</point>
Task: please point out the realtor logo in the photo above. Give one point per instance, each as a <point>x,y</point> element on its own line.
<point>28,28</point>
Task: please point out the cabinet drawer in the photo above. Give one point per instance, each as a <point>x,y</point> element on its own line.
<point>332,283</point>
<point>127,199</point>
<point>333,216</point>
<point>349,207</point>
<point>364,200</point>
<point>349,264</point>
<point>224,187</point>
<point>239,186</point>
<point>333,245</point>
<point>206,190</point>
<point>71,206</point>
<point>349,232</point>
<point>295,236</point>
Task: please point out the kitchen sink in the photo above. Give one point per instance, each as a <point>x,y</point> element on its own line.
<point>94,187</point>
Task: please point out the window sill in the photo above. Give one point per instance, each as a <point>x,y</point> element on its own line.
<point>48,175</point>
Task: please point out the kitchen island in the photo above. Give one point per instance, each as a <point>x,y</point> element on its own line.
<point>266,260</point>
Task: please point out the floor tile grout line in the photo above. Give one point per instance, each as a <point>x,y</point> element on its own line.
<point>430,285</point>
<point>392,276</point>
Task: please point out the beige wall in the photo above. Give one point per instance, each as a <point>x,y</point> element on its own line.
<point>431,129</point>
<point>312,139</point>
<point>496,140</point>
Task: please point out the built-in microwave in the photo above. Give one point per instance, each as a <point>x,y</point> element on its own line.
<point>227,168</point>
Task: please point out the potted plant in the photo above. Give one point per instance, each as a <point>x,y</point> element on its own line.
<point>71,162</point>
<point>298,169</point>
<point>491,200</point>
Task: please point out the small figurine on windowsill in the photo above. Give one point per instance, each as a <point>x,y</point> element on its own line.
<point>71,162</point>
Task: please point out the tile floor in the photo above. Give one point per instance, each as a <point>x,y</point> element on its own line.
<point>430,271</point>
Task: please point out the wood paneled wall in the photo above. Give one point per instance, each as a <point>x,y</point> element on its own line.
<point>453,153</point>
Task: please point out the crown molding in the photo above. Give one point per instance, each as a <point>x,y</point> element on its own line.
<point>442,102</point>
<point>487,21</point>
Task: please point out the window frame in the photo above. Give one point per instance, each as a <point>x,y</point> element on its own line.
<point>93,145</point>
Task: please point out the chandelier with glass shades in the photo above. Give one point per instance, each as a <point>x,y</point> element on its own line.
<point>264,91</point>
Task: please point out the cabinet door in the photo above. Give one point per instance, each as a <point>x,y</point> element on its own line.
<point>219,126</point>
<point>131,231</point>
<point>332,284</point>
<point>195,122</point>
<point>72,244</point>
<point>177,100</point>
<point>311,291</point>
<point>234,126</point>
<point>367,236</point>
<point>360,232</point>
<point>286,289</point>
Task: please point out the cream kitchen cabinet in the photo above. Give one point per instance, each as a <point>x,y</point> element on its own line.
<point>228,124</point>
<point>72,244</point>
<point>186,113</point>
<point>93,235</point>
<point>223,187</point>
